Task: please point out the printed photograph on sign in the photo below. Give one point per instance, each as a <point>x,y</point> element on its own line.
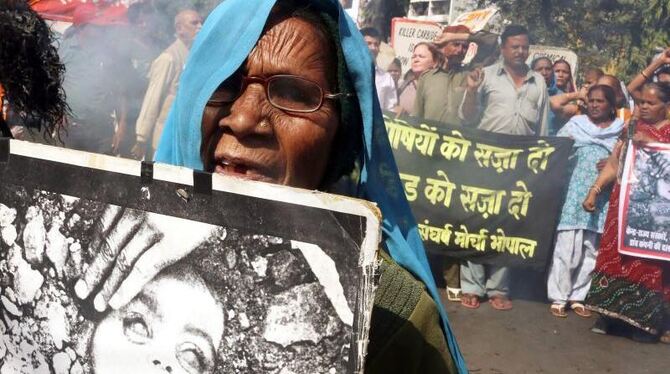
<point>138,276</point>
<point>645,215</point>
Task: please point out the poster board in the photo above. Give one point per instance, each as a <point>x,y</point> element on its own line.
<point>259,277</point>
<point>407,33</point>
<point>644,203</point>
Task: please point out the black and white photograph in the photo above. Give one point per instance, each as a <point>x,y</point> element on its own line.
<point>646,208</point>
<point>92,285</point>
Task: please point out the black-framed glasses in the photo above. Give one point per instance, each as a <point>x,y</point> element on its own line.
<point>286,92</point>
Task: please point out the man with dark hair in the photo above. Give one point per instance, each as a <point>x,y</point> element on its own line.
<point>386,92</point>
<point>30,72</point>
<point>509,98</point>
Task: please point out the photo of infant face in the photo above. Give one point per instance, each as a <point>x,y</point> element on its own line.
<point>238,302</point>
<point>174,325</point>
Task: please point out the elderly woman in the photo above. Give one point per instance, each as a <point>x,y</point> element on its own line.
<point>630,291</point>
<point>578,231</point>
<point>284,93</point>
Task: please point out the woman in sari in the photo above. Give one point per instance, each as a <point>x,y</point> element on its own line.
<point>579,232</point>
<point>630,291</point>
<point>283,92</point>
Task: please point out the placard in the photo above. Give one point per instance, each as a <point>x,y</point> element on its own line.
<point>112,266</point>
<point>644,209</point>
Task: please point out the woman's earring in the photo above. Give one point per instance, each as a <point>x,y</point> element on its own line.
<point>264,124</point>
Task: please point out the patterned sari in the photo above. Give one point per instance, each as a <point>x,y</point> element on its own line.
<point>631,289</point>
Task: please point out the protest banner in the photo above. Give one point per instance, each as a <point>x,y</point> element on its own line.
<point>480,196</point>
<point>644,203</point>
<point>554,53</point>
<point>476,20</point>
<point>259,276</point>
<point>407,33</point>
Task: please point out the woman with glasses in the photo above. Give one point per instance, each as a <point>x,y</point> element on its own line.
<point>283,92</point>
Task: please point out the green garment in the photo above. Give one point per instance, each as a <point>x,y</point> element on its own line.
<point>405,334</point>
<point>439,94</point>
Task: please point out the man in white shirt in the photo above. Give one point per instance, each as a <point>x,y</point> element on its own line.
<point>386,91</point>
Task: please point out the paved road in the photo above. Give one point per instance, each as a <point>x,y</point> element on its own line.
<point>528,339</point>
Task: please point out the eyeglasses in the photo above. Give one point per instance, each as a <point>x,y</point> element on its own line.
<point>286,92</point>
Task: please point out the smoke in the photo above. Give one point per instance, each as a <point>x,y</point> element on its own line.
<point>106,68</point>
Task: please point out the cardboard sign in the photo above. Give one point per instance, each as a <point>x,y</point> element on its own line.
<point>554,53</point>
<point>477,19</point>
<point>644,203</point>
<point>407,33</point>
<point>112,266</point>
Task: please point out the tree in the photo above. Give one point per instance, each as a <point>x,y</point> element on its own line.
<point>619,36</point>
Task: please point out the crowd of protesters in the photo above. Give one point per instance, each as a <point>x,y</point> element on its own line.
<point>631,295</point>
<point>122,112</point>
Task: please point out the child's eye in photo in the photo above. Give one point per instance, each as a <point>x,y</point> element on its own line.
<point>192,358</point>
<point>136,329</point>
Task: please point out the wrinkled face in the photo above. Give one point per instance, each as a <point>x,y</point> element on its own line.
<point>172,326</point>
<point>395,71</point>
<point>599,109</point>
<point>252,139</point>
<point>373,46</point>
<point>563,75</point>
<point>650,107</point>
<point>455,51</point>
<point>515,50</point>
<point>422,60</point>
<point>187,25</point>
<point>544,67</point>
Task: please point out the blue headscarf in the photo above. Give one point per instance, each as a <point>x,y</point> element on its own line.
<point>221,47</point>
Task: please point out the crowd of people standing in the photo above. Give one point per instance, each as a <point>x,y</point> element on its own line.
<point>506,96</point>
<point>586,273</point>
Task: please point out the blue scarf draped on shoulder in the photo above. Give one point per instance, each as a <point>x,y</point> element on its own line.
<point>221,47</point>
<point>585,133</point>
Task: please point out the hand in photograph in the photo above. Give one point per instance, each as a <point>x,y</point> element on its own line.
<point>131,248</point>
